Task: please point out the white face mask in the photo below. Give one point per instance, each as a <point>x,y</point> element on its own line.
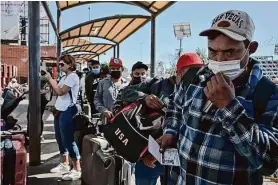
<point>229,68</point>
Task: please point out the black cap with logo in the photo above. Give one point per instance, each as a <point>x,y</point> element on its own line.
<point>139,65</point>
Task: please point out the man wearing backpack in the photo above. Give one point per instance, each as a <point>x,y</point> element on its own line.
<point>226,132</point>
<point>91,82</point>
<point>138,75</point>
<point>155,93</point>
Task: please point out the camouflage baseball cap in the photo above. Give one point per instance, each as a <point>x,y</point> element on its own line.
<point>237,25</point>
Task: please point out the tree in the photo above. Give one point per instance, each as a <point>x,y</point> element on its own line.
<point>202,53</point>
<point>172,58</point>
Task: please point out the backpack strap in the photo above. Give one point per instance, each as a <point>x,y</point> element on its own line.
<point>263,92</point>
<point>81,99</point>
<point>190,76</point>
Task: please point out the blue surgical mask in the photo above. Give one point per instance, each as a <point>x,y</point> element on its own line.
<point>96,71</point>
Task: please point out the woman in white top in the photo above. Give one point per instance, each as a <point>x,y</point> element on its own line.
<point>67,91</point>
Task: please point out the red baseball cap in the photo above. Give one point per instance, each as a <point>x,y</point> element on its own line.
<point>189,59</point>
<point>116,62</point>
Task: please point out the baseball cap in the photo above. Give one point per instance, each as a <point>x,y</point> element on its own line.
<point>237,25</point>
<point>94,62</point>
<point>139,65</point>
<point>189,59</point>
<point>116,62</point>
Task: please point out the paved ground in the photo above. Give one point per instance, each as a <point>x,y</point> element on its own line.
<point>39,175</point>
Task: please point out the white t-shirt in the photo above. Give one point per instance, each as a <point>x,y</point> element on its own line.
<point>63,102</point>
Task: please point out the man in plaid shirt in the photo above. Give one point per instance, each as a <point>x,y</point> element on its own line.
<point>218,139</point>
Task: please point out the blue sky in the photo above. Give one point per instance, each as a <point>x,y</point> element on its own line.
<point>198,14</point>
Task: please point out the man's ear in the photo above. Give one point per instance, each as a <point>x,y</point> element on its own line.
<point>253,47</point>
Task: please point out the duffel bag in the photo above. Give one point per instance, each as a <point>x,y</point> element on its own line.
<point>129,129</point>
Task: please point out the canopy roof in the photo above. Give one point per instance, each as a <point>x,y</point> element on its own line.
<point>85,56</point>
<point>154,7</point>
<point>97,49</point>
<point>114,28</point>
<point>75,42</point>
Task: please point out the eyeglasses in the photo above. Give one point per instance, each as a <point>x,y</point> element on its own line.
<point>61,64</point>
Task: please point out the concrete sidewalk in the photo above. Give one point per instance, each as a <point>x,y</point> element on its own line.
<point>40,175</point>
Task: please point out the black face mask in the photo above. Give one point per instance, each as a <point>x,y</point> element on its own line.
<point>136,80</point>
<point>116,74</point>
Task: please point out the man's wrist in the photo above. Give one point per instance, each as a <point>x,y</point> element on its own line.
<point>170,131</point>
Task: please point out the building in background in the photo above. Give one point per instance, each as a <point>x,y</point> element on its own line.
<point>269,66</point>
<point>14,19</point>
<point>15,58</point>
<point>14,40</point>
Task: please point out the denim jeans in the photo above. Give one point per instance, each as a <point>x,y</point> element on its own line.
<point>64,132</point>
<point>148,176</point>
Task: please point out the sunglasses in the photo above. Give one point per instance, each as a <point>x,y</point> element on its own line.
<point>61,64</point>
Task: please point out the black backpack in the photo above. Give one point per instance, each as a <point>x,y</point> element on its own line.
<point>262,94</point>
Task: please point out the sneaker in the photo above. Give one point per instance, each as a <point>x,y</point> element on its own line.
<point>61,168</point>
<point>73,175</point>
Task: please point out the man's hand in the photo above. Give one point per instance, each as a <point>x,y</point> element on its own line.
<point>153,102</point>
<point>220,91</point>
<point>167,141</point>
<point>108,114</point>
<point>149,161</point>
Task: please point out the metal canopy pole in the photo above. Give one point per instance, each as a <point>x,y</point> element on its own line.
<point>34,82</point>
<point>180,47</point>
<point>98,57</point>
<point>152,46</point>
<point>58,41</point>
<point>118,51</point>
<point>114,51</point>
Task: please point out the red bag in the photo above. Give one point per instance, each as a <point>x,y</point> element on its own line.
<point>13,159</point>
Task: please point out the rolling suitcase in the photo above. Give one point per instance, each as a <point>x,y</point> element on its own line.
<point>101,166</point>
<point>13,159</point>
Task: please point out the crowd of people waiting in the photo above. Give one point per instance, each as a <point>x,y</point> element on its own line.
<point>220,136</point>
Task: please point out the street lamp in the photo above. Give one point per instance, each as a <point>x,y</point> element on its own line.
<point>182,30</point>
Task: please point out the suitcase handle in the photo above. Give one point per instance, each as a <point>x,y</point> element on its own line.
<point>106,162</point>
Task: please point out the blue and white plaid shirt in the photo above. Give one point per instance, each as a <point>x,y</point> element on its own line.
<point>223,146</point>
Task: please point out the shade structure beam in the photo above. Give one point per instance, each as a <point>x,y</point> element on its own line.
<point>112,33</point>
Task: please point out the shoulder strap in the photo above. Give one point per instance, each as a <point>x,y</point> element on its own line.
<point>263,92</point>
<point>70,93</point>
<point>81,99</point>
<point>189,77</point>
